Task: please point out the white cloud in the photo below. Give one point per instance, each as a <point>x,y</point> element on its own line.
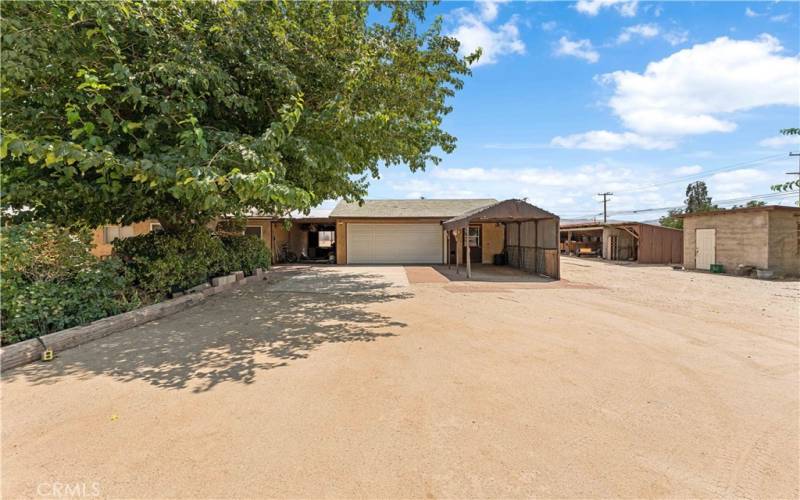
<point>780,141</point>
<point>638,30</point>
<point>489,8</point>
<point>474,31</point>
<point>549,25</point>
<point>726,185</point>
<point>687,170</point>
<point>750,12</point>
<point>780,18</point>
<point>651,30</point>
<point>626,8</point>
<point>676,37</point>
<point>694,91</point>
<point>581,49</point>
<point>603,140</point>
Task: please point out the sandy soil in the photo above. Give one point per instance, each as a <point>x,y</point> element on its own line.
<point>621,381</point>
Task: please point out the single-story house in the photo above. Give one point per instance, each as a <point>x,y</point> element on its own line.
<point>407,231</point>
<point>628,241</point>
<point>411,231</point>
<point>766,237</point>
<point>428,231</point>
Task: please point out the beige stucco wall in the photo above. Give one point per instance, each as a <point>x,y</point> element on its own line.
<point>266,230</point>
<point>102,249</point>
<point>784,242</point>
<point>741,238</point>
<point>492,244</point>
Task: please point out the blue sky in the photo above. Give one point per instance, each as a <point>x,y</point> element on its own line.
<point>637,98</point>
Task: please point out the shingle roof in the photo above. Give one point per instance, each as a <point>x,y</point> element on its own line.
<point>409,208</point>
<point>506,210</point>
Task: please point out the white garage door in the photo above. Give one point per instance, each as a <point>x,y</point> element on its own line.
<point>394,244</point>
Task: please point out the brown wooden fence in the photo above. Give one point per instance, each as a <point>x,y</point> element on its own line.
<point>533,246</point>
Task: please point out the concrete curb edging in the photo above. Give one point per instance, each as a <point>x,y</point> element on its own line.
<point>29,350</point>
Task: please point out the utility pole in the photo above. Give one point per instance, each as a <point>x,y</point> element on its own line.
<point>798,176</point>
<point>605,203</point>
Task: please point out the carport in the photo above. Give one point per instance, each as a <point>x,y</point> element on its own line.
<point>530,241</point>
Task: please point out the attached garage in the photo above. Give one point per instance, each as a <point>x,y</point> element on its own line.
<point>394,243</point>
<point>396,231</point>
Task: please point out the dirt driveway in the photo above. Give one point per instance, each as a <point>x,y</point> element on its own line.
<point>620,381</point>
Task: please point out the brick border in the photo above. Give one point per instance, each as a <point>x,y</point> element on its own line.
<point>30,350</point>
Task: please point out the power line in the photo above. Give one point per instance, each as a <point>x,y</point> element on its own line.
<point>797,174</point>
<point>704,174</point>
<point>730,201</point>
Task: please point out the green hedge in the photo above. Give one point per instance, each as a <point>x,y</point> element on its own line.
<point>162,262</point>
<point>50,281</point>
<point>246,253</point>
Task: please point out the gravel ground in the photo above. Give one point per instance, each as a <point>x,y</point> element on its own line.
<point>618,381</point>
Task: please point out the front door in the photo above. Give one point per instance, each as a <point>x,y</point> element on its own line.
<point>475,251</point>
<point>475,238</point>
<point>705,244</point>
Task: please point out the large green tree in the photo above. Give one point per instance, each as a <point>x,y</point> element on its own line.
<point>120,111</point>
<point>697,200</point>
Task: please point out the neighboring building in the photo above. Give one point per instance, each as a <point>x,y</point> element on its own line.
<point>401,232</point>
<point>104,236</point>
<point>629,241</point>
<point>766,237</point>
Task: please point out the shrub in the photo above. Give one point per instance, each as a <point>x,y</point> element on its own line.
<point>51,281</point>
<point>246,253</point>
<point>162,262</point>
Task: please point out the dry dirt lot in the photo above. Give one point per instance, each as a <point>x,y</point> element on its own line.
<point>620,381</point>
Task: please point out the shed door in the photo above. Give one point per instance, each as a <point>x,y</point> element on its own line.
<point>705,248</point>
<point>394,244</point>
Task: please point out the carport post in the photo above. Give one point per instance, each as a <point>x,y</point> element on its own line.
<point>447,246</point>
<point>467,256</point>
<point>458,249</point>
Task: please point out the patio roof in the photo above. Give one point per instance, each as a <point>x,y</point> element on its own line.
<point>504,211</point>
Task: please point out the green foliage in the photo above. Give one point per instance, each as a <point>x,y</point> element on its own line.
<point>246,253</point>
<point>790,131</point>
<point>162,262</point>
<point>697,198</point>
<point>750,204</point>
<point>672,219</point>
<point>120,111</point>
<point>50,281</point>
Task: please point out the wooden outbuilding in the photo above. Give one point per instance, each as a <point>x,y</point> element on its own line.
<point>628,241</point>
<point>530,235</point>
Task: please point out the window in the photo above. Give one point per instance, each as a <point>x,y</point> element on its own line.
<point>111,233</point>
<point>474,236</point>
<point>155,226</point>
<point>253,231</point>
<point>327,239</point>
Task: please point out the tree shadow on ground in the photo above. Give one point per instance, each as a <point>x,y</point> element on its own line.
<point>235,335</point>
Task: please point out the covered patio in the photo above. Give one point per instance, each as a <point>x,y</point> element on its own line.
<point>530,240</point>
